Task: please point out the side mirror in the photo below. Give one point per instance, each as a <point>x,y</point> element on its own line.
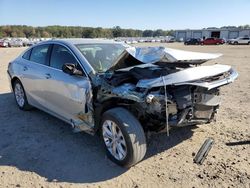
<point>71,69</point>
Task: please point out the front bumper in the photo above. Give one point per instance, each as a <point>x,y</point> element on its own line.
<point>210,85</point>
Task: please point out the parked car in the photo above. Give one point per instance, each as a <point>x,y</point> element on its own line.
<point>209,41</point>
<point>168,40</point>
<point>134,41</point>
<point>141,40</point>
<point>30,43</point>
<point>172,39</point>
<point>25,41</point>
<point>4,43</point>
<point>193,41</point>
<point>123,93</point>
<point>240,40</point>
<point>15,43</point>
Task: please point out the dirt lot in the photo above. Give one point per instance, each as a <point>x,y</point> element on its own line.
<point>38,150</point>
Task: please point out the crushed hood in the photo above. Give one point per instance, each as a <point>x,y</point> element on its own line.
<point>151,55</point>
<point>193,76</point>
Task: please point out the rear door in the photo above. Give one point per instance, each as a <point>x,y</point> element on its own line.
<point>68,95</point>
<point>33,74</point>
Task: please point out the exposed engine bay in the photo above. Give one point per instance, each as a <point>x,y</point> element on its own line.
<point>163,92</point>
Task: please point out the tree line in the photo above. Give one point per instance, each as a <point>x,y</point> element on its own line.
<point>76,32</point>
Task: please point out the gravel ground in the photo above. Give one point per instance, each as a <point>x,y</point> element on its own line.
<point>38,150</point>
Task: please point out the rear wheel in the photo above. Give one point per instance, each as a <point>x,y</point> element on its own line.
<point>20,96</point>
<point>123,137</point>
<point>235,43</point>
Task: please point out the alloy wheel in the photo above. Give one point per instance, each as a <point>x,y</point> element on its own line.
<point>114,139</point>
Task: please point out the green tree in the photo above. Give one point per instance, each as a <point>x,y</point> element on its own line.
<point>29,32</point>
<point>78,32</point>
<point>147,33</point>
<point>117,31</point>
<point>158,32</point>
<point>45,34</point>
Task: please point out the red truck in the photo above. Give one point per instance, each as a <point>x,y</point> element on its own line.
<point>212,41</point>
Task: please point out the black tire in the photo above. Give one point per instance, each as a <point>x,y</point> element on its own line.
<point>132,132</point>
<point>203,151</point>
<point>235,43</point>
<point>25,105</point>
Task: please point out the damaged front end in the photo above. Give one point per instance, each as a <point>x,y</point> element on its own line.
<point>161,87</point>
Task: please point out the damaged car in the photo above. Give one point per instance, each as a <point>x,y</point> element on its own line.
<point>118,91</point>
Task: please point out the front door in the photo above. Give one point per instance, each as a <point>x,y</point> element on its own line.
<point>69,96</point>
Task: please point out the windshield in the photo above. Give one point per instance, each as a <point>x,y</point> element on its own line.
<point>101,56</point>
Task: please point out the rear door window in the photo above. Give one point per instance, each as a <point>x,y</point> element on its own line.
<point>39,54</point>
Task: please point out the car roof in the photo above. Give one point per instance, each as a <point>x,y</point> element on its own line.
<point>75,41</point>
<point>83,41</point>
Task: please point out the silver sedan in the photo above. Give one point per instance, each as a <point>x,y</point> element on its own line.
<point>101,86</point>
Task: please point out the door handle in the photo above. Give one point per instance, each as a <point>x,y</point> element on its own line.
<point>25,68</point>
<point>47,76</point>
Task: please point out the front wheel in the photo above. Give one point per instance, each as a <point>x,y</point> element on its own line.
<point>123,137</point>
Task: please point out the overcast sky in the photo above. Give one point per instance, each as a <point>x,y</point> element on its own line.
<point>136,14</point>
